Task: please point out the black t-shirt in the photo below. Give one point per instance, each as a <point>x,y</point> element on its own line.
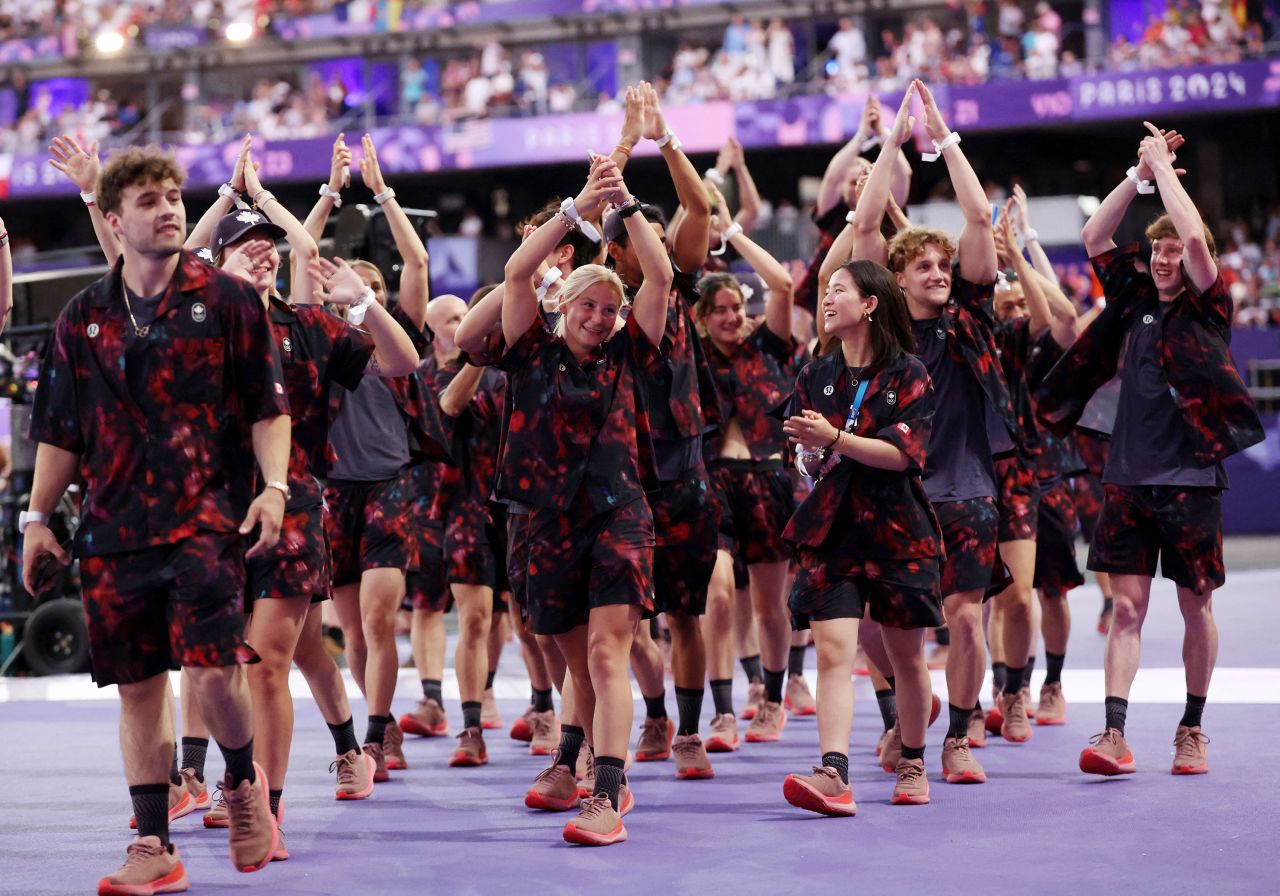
<point>144,308</point>
<point>369,435</point>
<point>959,464</point>
<point>1149,445</point>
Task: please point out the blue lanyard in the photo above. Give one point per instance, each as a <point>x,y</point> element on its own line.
<point>856,407</point>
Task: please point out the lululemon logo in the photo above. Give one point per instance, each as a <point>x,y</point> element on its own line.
<point>92,331</point>
<point>828,390</point>
<point>198,312</point>
<point>891,397</point>
<point>1148,318</point>
<point>288,344</point>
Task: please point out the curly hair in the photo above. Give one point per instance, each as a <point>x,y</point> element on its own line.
<point>910,244</point>
<point>1162,228</point>
<point>132,166</point>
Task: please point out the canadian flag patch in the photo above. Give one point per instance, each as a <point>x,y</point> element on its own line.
<point>906,430</point>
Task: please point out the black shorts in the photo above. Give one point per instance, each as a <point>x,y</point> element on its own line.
<point>1057,570</point>
<point>298,566</point>
<point>1180,526</point>
<point>758,500</point>
<point>517,554</point>
<point>426,584</point>
<point>579,560</point>
<point>155,609</point>
<point>898,593</point>
<point>1019,495</point>
<point>970,531</point>
<point>685,525</point>
<point>475,547</point>
<point>370,526</point>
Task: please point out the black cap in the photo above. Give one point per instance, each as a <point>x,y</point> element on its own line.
<point>615,225</point>
<point>234,226</point>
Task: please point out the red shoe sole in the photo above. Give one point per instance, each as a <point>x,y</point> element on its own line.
<point>541,751</point>
<point>747,714</point>
<point>902,799</point>
<point>993,721</point>
<point>535,800</point>
<point>396,765</point>
<point>768,738</point>
<point>700,774</point>
<point>1190,769</point>
<point>520,730</point>
<point>934,709</point>
<point>1094,763</point>
<point>411,726</point>
<point>720,745</point>
<point>1042,720</point>
<point>173,882</point>
<point>216,824</point>
<point>491,726</point>
<point>978,743</point>
<point>964,777</point>
<point>203,802</point>
<point>803,711</point>
<point>572,834</point>
<point>1014,740</point>
<point>469,761</point>
<point>361,794</point>
<point>802,796</point>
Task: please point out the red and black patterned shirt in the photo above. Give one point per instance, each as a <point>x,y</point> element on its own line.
<point>752,381</point>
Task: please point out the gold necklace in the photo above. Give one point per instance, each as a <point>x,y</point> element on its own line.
<point>140,332</point>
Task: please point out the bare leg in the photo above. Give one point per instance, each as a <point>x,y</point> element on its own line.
<point>319,669</point>
<point>965,661</point>
<point>610,633</point>
<point>1124,643</point>
<point>1199,640</point>
<point>274,629</point>
<point>381,591</point>
<point>837,646</point>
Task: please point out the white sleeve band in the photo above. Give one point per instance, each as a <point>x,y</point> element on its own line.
<point>89,198</point>
<point>714,176</point>
<point>356,311</point>
<point>386,194</point>
<point>952,139</point>
<point>587,228</point>
<point>848,219</point>
<point>734,229</point>
<point>668,137</point>
<point>1145,187</point>
<point>332,194</point>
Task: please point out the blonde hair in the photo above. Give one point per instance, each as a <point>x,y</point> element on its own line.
<point>1162,228</point>
<point>361,264</point>
<point>580,281</point>
<point>910,244</point>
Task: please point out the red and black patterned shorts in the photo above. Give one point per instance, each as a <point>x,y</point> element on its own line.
<point>426,584</point>
<point>897,593</point>
<point>518,553</point>
<point>370,526</point>
<point>1180,526</point>
<point>475,547</point>
<point>759,501</point>
<point>579,560</point>
<point>1019,495</point>
<point>969,535</point>
<point>158,608</point>
<point>298,566</point>
<point>1087,487</point>
<point>685,523</point>
<point>1057,571</point>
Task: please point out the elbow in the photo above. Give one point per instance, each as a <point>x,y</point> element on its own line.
<point>449,405</point>
<point>416,261</point>
<point>400,362</point>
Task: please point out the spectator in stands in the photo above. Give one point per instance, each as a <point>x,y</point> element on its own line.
<point>848,47</point>
<point>780,48</point>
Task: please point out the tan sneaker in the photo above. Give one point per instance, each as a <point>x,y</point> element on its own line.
<point>149,867</point>
<point>522,728</point>
<point>180,803</point>
<point>393,747</point>
<point>427,720</point>
<point>912,788</point>
<point>797,698</point>
<point>1053,706</point>
<point>282,852</point>
<point>217,816</point>
<point>822,792</point>
<point>253,832</point>
<point>1026,701</point>
<point>545,733</point>
<point>978,730</point>
<point>470,750</point>
<point>767,726</point>
<point>489,716</point>
<point>724,734</point>
<point>755,697</point>
<point>655,739</point>
<point>958,764</point>
<point>198,789</point>
<point>691,758</point>
<point>355,770</point>
<point>374,752</point>
<point>892,750</point>
<point>554,789</point>
<point>597,824</point>
<point>1190,751</point>
<point>586,773</point>
<point>1015,728</point>
<point>884,739</point>
<point>1108,754</point>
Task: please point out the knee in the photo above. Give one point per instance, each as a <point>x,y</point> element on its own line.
<point>833,654</point>
<point>965,620</point>
<point>1125,614</point>
<point>473,625</point>
<point>378,627</point>
<point>607,652</point>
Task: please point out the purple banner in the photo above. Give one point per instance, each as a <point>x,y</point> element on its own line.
<point>36,49</point>
<point>167,40</point>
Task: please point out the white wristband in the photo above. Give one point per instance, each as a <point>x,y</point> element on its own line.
<point>332,194</point>
<point>571,212</point>
<point>226,191</point>
<point>386,194</point>
<point>1145,187</point>
<point>714,176</point>
<point>952,139</point>
<point>356,311</point>
<point>734,229</point>
<point>1030,236</point>
<point>89,198</point>
<point>550,277</point>
<point>668,137</point>
<point>870,143</point>
<point>848,219</point>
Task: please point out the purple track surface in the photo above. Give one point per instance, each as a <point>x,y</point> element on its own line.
<point>1037,826</point>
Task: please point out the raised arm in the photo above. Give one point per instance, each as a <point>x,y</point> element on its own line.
<point>461,389</point>
<point>777,311</point>
<point>1100,230</point>
<point>519,300</point>
<point>829,191</point>
<point>748,193</point>
<point>868,242</point>
<point>690,247</point>
<point>302,248</point>
<point>202,234</point>
<point>481,319</point>
<point>976,246</point>
<point>81,166</point>
<point>339,179</point>
<point>649,307</point>
<point>413,254</point>
<point>393,351</point>
<point>1197,258</point>
<point>632,128</point>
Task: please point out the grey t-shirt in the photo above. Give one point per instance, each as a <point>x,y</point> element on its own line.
<point>369,435</point>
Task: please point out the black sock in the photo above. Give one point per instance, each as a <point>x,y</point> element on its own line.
<point>542,700</point>
<point>471,713</point>
<point>912,752</point>
<point>773,685</point>
<point>274,796</point>
<point>1029,668</point>
<point>795,661</point>
<point>431,689</point>
<point>175,777</point>
<point>1014,679</point>
<point>958,726</point>
<point>609,777</point>
<point>888,707</point>
<point>1117,709</point>
<point>571,738</point>
<point>377,730</point>
<point>1053,667</point>
<point>999,675</point>
<point>689,708</point>
<point>1195,709</point>
<point>837,761</point>
<point>239,764</point>
<point>194,750</point>
<point>488,681</point>
<point>344,736</point>
<point>891,682</point>
<point>722,695</point>
<point>942,636</point>
<point>656,707</point>
<point>751,665</point>
<point>1108,604</point>
<point>151,808</point>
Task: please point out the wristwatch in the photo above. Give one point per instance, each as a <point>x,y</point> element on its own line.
<point>30,516</point>
<point>279,486</point>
